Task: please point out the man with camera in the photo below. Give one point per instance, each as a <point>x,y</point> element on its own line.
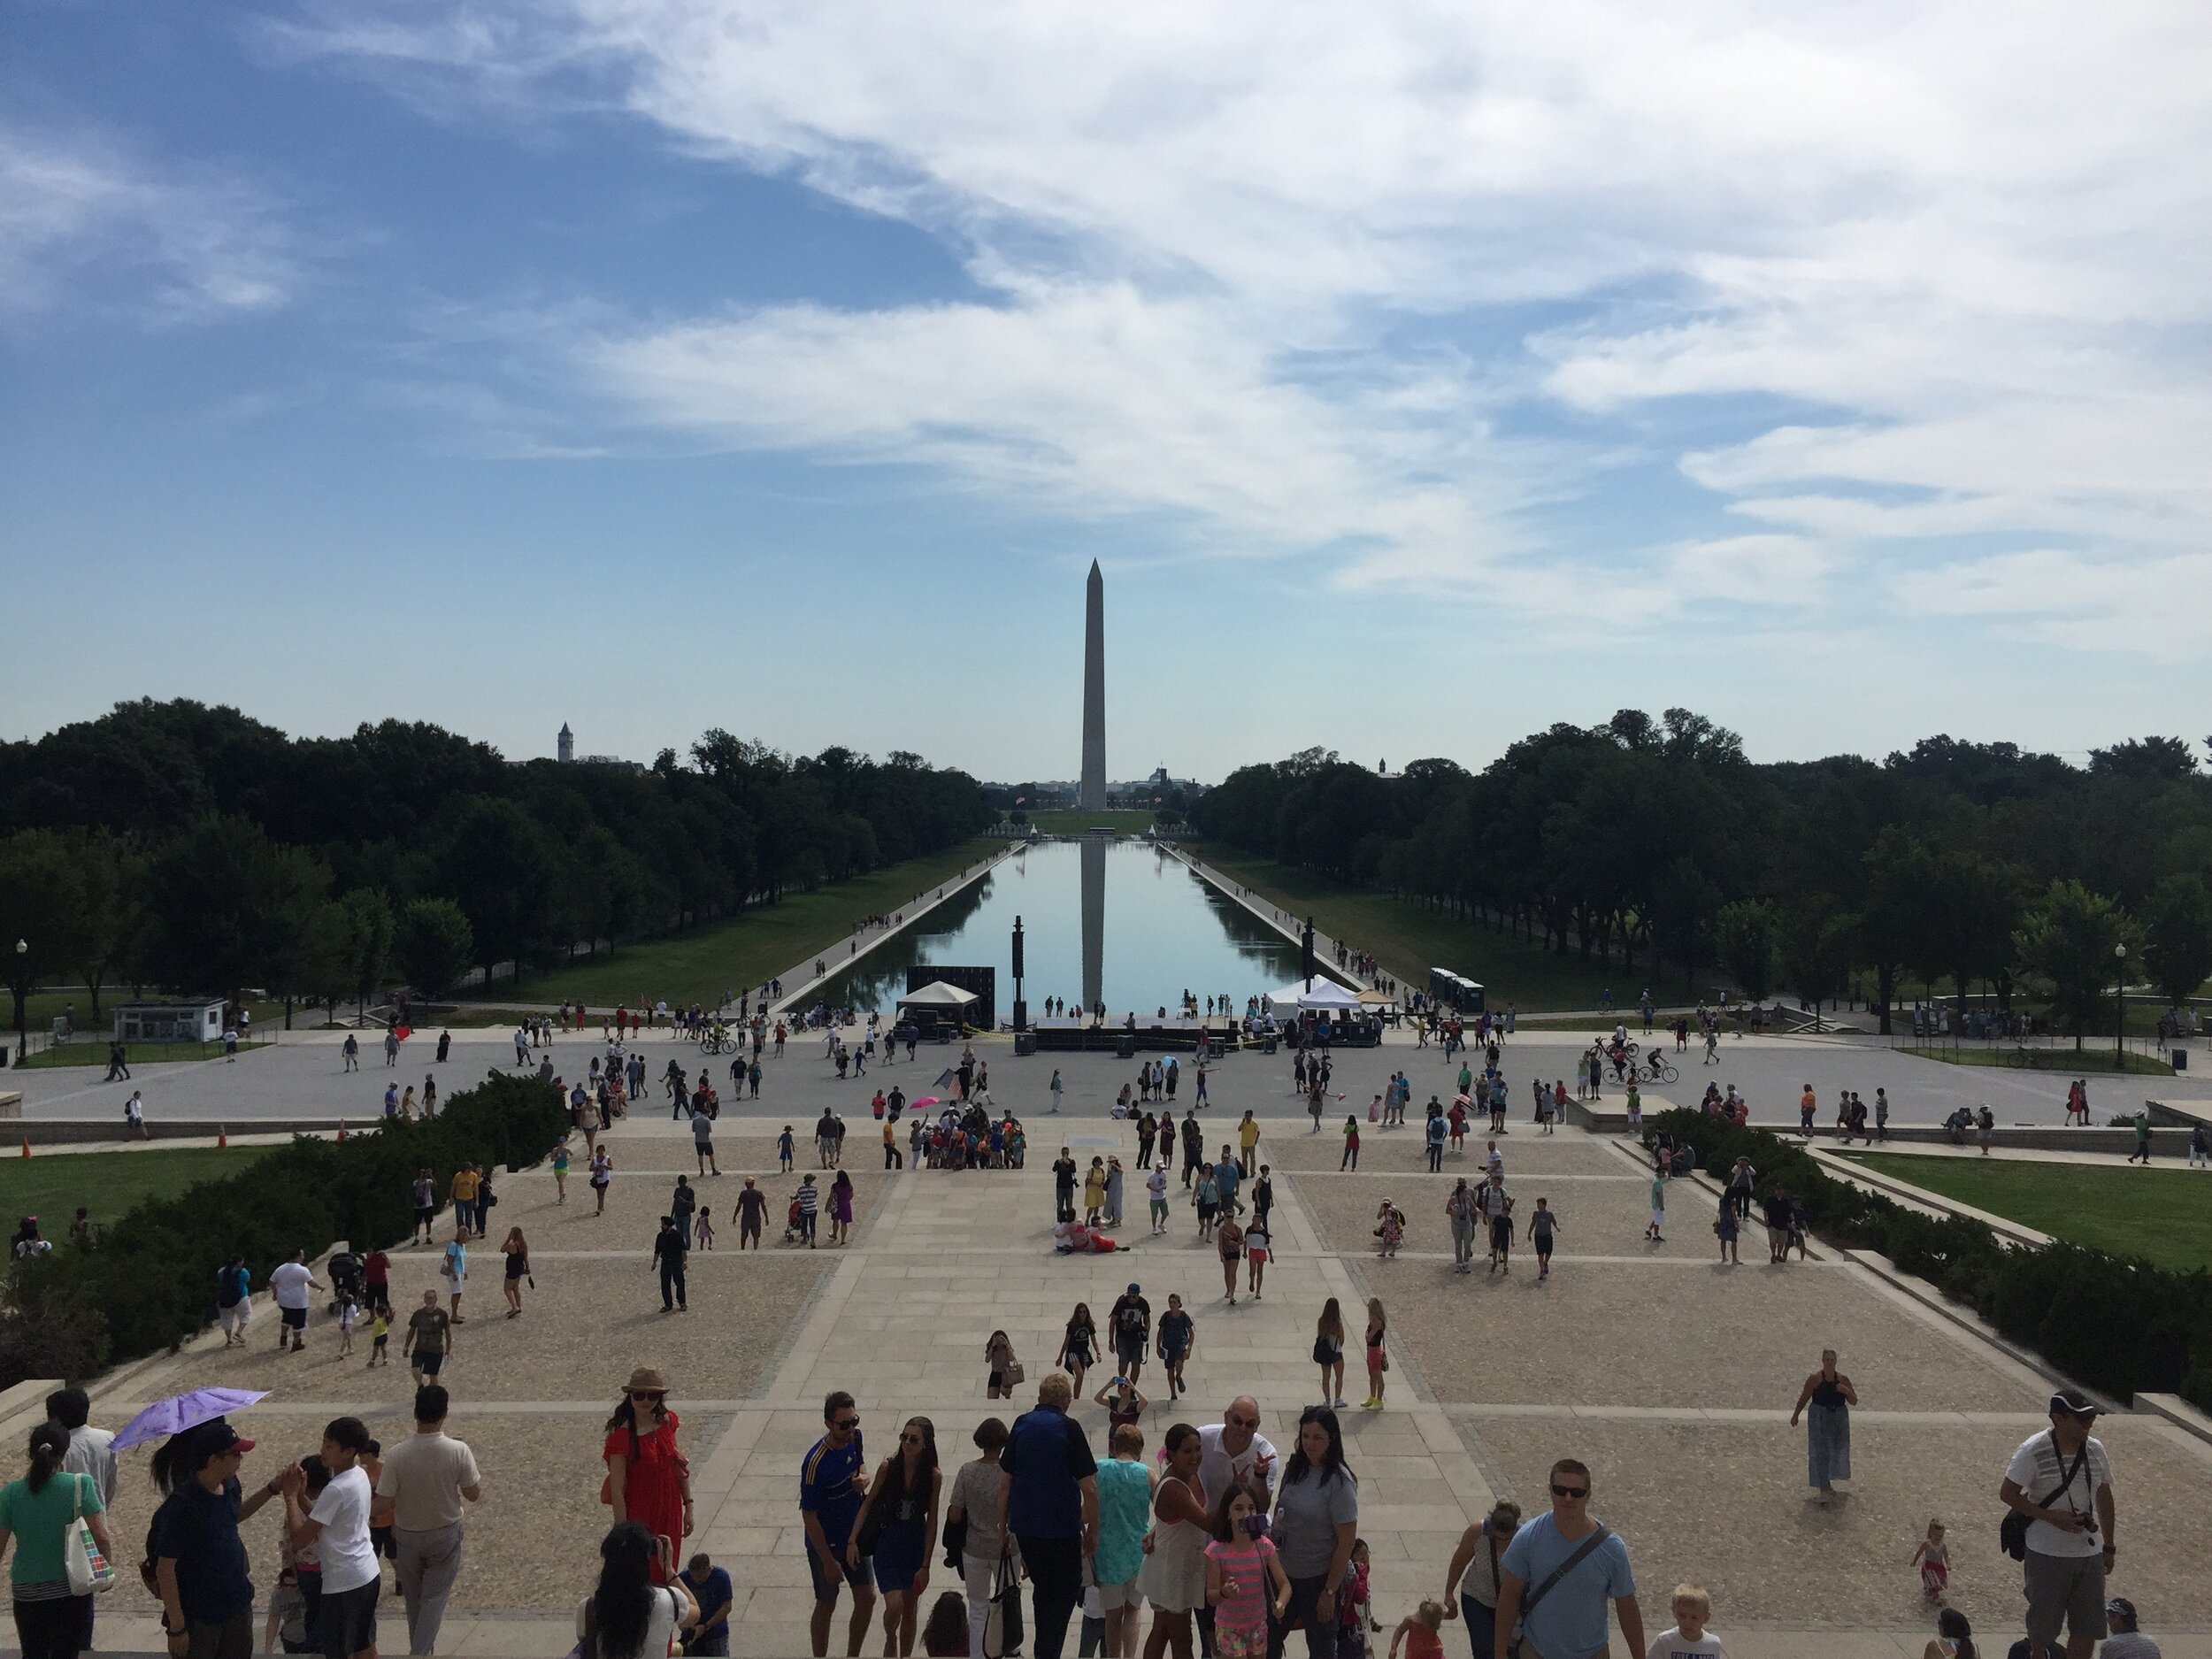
<point>2061,1485</point>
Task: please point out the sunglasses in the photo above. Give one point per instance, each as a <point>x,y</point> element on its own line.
<point>1558,1490</point>
<point>654,1394</point>
<point>846,1423</point>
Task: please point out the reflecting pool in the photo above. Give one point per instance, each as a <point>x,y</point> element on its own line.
<point>1102,919</point>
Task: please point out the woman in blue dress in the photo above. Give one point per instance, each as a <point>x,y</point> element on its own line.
<point>896,1530</point>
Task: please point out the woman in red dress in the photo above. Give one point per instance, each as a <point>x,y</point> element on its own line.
<point>648,1480</point>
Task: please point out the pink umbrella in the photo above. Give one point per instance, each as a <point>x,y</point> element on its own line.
<point>926,1100</point>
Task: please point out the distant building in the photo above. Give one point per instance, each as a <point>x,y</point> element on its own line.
<point>564,745</point>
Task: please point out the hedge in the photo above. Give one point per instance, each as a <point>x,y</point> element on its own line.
<point>2119,1324</point>
<point>148,1283</point>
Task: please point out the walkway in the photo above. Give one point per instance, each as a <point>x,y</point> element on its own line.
<point>1670,1375</point>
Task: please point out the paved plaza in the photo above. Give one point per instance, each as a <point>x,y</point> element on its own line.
<point>1672,1375</point>
<point>302,1075</point>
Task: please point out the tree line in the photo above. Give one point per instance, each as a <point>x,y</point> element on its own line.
<point>190,846</point>
<point>1658,840</point>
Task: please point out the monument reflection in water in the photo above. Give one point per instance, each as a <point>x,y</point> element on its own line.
<point>1165,932</point>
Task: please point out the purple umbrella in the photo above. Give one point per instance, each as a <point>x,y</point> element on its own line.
<point>165,1417</point>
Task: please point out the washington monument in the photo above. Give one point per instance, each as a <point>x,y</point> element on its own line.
<point>1093,797</point>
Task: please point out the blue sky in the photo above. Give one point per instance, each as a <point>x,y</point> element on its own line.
<point>1419,377</point>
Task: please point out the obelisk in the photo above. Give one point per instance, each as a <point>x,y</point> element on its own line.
<point>1093,797</point>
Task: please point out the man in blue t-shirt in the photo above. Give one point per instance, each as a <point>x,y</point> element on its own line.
<point>1051,1482</point>
<point>831,1483</point>
<point>1227,1174</point>
<point>199,1560</point>
<point>1564,1616</point>
<point>710,1588</point>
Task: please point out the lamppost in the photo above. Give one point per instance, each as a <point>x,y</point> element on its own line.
<point>22,1004</point>
<point>2120,1023</point>
<point>1021,1003</point>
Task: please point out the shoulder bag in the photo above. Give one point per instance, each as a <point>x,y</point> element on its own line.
<point>2012,1532</point>
<point>1519,1647</point>
<point>90,1572</point>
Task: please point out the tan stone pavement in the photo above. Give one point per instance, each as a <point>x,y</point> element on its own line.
<point>1671,1376</point>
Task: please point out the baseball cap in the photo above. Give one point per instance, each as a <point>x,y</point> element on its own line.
<point>2120,1607</point>
<point>1132,1286</point>
<point>225,1439</point>
<point>2074,1403</point>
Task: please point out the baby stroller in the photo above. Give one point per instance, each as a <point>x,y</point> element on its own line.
<point>791,1234</point>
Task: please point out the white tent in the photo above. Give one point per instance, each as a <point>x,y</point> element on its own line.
<point>1327,996</point>
<point>939,994</point>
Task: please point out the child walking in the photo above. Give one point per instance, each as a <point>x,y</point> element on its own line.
<point>381,1338</point>
<point>1241,1568</point>
<point>703,1229</point>
<point>1420,1633</point>
<point>1541,1228</point>
<point>1689,1639</point>
<point>348,1316</point>
<point>1933,1559</point>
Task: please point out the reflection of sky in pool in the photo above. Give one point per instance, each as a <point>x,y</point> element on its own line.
<point>1160,931</point>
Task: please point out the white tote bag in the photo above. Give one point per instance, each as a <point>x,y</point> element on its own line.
<point>90,1572</point>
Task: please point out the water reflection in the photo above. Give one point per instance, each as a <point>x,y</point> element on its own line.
<point>1166,931</point>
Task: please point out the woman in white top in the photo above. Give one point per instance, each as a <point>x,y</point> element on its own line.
<point>1174,1575</point>
<point>629,1617</point>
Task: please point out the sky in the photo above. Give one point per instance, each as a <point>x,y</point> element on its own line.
<point>1420,375</point>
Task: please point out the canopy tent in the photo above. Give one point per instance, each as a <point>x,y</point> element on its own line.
<point>941,995</point>
<point>1327,996</point>
<point>1377,999</point>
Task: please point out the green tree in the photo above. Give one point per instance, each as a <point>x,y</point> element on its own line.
<point>112,872</point>
<point>324,957</point>
<point>2177,937</point>
<point>1743,933</point>
<point>42,909</point>
<point>232,909</point>
<point>433,946</point>
<point>496,869</point>
<point>1813,940</point>
<point>370,924</point>
<point>2070,946</point>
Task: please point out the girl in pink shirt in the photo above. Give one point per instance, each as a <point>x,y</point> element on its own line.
<point>1240,1564</point>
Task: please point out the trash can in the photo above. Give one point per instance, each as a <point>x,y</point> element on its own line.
<point>2181,1059</point>
<point>1269,1046</point>
<point>1125,1045</point>
<point>1025,1044</point>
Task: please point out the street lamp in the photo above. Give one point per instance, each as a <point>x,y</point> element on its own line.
<point>2120,1024</point>
<point>22,1003</point>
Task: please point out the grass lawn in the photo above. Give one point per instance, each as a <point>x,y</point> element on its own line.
<point>2045,1059</point>
<point>52,1185</point>
<point>1074,821</point>
<point>94,1051</point>
<point>2162,1215</point>
<point>1411,938</point>
<point>701,964</point>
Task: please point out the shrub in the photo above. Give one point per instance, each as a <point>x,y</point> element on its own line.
<point>2119,1324</point>
<point>152,1276</point>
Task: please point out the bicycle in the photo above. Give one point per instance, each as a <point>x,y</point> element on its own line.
<point>1656,1068</point>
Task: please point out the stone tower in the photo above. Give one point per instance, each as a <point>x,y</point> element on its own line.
<point>564,745</point>
<point>1093,797</point>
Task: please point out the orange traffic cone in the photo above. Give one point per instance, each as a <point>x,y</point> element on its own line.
<point>222,1135</point>
<point>341,1129</point>
<point>27,1146</point>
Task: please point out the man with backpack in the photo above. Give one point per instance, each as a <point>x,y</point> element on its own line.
<point>1130,1323</point>
<point>2058,1487</point>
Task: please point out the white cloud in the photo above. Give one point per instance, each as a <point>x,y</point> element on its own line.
<point>1944,271</point>
<point>77,214</point>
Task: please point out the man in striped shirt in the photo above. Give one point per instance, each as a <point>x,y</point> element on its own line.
<point>809,1205</point>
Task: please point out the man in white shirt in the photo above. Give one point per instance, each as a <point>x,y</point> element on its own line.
<point>2063,1483</point>
<point>427,1479</point>
<point>338,1529</point>
<point>1236,1450</point>
<point>290,1283</point>
<point>91,1452</point>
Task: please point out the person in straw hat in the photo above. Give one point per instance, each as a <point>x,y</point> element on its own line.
<point>648,1479</point>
